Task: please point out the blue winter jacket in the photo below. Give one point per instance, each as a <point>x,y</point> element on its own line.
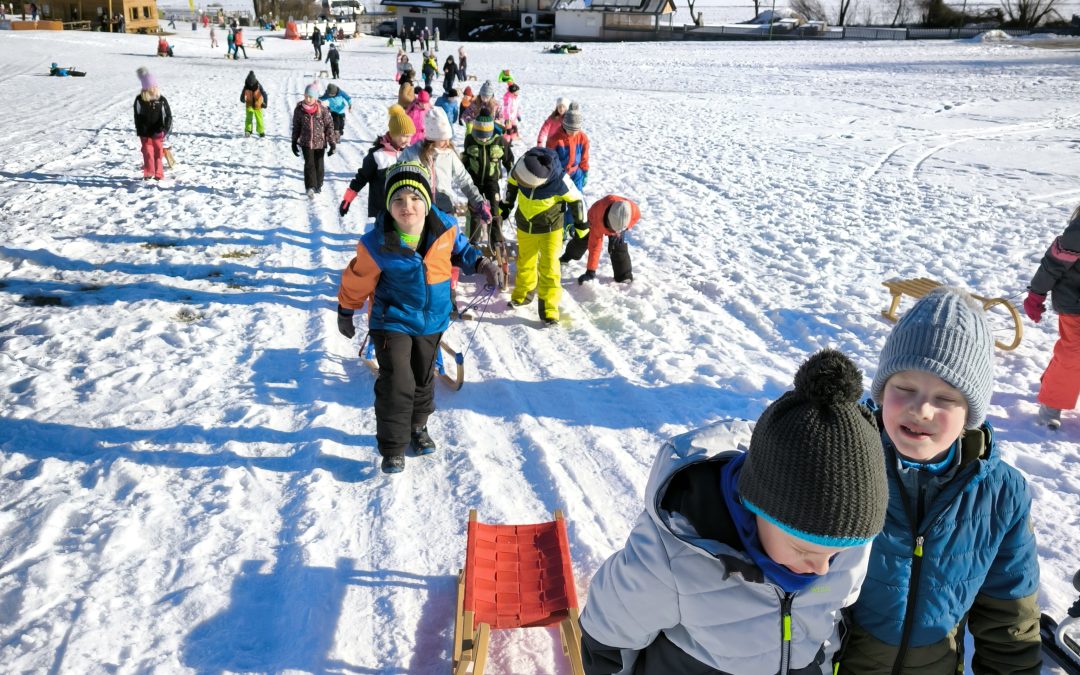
<point>337,104</point>
<point>409,290</point>
<point>978,556</point>
<point>451,106</point>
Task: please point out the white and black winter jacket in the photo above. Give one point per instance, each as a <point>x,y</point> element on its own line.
<point>683,597</point>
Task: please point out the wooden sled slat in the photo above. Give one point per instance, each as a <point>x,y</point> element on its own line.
<point>917,288</point>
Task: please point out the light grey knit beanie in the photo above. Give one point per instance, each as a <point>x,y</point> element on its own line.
<point>946,334</point>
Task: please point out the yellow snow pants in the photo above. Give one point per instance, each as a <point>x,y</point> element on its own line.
<point>538,256</point>
<point>257,114</point>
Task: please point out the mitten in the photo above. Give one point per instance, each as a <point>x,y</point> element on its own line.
<point>492,272</point>
<point>295,149</point>
<point>330,152</point>
<point>482,213</point>
<point>1034,306</point>
<point>504,210</point>
<point>588,276</point>
<point>343,208</point>
<point>344,322</point>
<point>584,179</point>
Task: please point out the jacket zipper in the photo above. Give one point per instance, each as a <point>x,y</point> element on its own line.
<point>909,613</point>
<point>785,632</point>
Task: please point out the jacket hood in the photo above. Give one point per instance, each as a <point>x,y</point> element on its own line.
<point>251,82</point>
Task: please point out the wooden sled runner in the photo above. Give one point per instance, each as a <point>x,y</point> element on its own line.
<point>515,576</point>
<point>455,381</point>
<point>917,288</point>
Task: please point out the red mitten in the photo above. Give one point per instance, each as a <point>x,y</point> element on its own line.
<point>1034,306</point>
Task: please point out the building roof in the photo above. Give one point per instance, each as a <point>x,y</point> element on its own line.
<point>632,6</point>
<point>423,4</point>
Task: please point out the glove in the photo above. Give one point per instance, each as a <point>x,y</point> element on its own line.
<point>581,230</point>
<point>482,213</point>
<point>344,322</point>
<point>492,272</point>
<point>343,208</point>
<point>295,149</point>
<point>1034,306</point>
<point>584,179</point>
<point>589,275</point>
<point>330,152</point>
<point>504,209</point>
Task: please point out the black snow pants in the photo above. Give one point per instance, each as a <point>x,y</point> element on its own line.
<point>313,168</point>
<point>620,259</point>
<point>405,387</point>
<point>490,191</point>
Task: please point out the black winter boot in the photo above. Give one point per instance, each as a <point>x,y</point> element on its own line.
<point>393,463</point>
<point>421,441</point>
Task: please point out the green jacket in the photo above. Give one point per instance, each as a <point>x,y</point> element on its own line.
<point>483,159</point>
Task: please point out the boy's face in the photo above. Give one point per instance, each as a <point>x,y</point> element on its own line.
<point>922,413</point>
<point>798,555</point>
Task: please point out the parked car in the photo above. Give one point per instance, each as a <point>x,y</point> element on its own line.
<point>386,29</point>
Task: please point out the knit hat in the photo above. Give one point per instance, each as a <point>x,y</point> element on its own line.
<point>147,80</point>
<point>451,93</point>
<point>534,168</point>
<point>423,97</point>
<point>815,467</point>
<point>562,101</point>
<point>618,216</point>
<point>250,82</point>
<point>486,89</point>
<point>400,123</point>
<point>331,90</point>
<point>312,90</point>
<point>468,91</point>
<point>571,120</point>
<point>483,127</point>
<point>946,334</point>
<point>408,175</point>
<point>437,126</point>
<point>513,88</point>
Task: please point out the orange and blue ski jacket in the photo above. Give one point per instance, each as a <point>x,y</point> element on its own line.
<point>409,290</point>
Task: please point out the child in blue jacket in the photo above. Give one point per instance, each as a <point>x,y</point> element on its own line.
<point>448,101</point>
<point>339,103</point>
<point>402,266</point>
<point>957,552</point>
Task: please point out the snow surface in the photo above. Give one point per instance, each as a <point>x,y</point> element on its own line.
<point>188,479</point>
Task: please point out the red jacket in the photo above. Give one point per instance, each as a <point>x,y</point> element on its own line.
<point>598,229</point>
<point>573,150</point>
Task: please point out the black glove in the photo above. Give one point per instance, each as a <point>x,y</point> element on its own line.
<point>295,149</point>
<point>588,276</point>
<point>330,152</point>
<point>343,208</point>
<point>504,209</point>
<point>344,322</point>
<point>493,272</point>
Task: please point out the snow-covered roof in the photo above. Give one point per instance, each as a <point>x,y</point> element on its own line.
<point>634,6</point>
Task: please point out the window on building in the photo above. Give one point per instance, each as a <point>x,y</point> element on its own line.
<point>134,13</point>
<point>146,12</point>
<point>628,20</point>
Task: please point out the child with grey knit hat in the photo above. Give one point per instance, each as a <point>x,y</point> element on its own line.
<point>753,539</point>
<point>957,547</point>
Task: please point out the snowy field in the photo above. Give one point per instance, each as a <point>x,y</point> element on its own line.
<point>188,478</point>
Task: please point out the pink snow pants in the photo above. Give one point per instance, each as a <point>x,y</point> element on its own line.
<point>1061,381</point>
<point>151,156</point>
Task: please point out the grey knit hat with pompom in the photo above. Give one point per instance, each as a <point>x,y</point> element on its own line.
<point>816,467</point>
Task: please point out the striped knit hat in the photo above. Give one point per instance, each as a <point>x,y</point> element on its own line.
<point>408,176</point>
<point>946,334</point>
<point>483,127</point>
<point>815,467</point>
<point>535,167</point>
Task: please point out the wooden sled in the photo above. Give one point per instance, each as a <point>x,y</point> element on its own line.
<point>515,576</point>
<point>455,381</point>
<point>917,288</point>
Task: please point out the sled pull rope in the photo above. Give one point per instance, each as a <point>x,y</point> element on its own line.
<point>485,294</point>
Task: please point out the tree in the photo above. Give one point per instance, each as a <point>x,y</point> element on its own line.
<point>811,9</point>
<point>846,7</point>
<point>1028,13</point>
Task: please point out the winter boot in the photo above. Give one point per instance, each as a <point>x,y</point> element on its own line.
<point>1049,417</point>
<point>529,297</point>
<point>393,463</point>
<point>421,441</point>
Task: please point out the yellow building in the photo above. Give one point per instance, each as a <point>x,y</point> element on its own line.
<point>140,16</point>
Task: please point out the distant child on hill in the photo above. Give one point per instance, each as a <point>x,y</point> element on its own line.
<point>753,540</point>
<point>254,99</point>
<point>402,271</point>
<point>416,112</point>
<point>153,121</point>
<point>552,122</point>
<point>611,218</point>
<point>511,112</point>
<point>313,134</point>
<point>449,73</point>
<point>466,100</point>
<point>449,103</point>
<point>957,553</point>
<point>1059,273</point>
<point>571,144</point>
<point>338,102</point>
<point>333,57</point>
